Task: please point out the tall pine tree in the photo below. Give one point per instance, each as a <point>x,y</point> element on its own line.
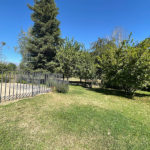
<point>45,34</point>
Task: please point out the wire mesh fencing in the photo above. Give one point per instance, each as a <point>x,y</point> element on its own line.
<point>18,85</point>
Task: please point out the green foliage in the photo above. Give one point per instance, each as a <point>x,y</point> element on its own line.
<point>45,35</point>
<point>4,78</point>
<point>2,44</point>
<point>85,67</point>
<point>60,86</point>
<point>73,61</point>
<point>126,67</point>
<point>51,83</point>
<point>3,66</point>
<point>101,45</point>
<point>22,49</point>
<point>67,57</point>
<point>7,67</point>
<point>11,67</point>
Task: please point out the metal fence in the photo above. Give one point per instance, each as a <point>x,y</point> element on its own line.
<point>18,85</point>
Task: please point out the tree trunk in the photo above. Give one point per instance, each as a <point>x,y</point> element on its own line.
<point>63,77</point>
<point>80,80</point>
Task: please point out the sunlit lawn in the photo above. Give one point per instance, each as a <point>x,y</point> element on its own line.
<point>82,119</point>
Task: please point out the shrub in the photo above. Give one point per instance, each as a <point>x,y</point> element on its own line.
<point>51,83</point>
<point>4,78</point>
<point>126,67</point>
<point>21,79</point>
<point>4,67</point>
<point>60,85</point>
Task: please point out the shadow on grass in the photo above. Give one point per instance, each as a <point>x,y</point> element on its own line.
<point>118,93</point>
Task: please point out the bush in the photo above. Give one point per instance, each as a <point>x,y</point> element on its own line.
<point>59,85</point>
<point>5,78</point>
<point>62,87</point>
<point>21,79</point>
<point>126,67</point>
<point>3,66</point>
<point>146,88</point>
<point>7,67</point>
<point>51,83</point>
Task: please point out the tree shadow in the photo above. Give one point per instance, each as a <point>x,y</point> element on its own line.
<point>117,93</point>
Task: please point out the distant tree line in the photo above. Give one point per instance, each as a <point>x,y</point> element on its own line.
<point>4,66</point>
<point>116,61</point>
<point>2,44</point>
<point>7,67</point>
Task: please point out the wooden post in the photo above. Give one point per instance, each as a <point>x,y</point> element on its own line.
<point>23,84</point>
<point>17,86</point>
<point>39,82</point>
<point>32,83</point>
<point>5,85</point>
<point>14,77</point>
<point>9,85</point>
<point>20,86</point>
<point>1,87</point>
<point>26,79</point>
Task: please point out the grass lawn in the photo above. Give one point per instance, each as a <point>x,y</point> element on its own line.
<point>82,119</point>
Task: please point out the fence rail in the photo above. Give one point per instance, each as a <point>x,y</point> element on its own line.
<point>18,85</point>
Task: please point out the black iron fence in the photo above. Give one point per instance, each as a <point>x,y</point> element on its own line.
<point>18,85</point>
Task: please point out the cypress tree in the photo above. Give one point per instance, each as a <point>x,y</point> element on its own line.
<point>45,34</point>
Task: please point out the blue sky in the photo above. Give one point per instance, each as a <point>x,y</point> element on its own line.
<point>85,20</point>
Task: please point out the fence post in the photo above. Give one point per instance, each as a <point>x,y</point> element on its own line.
<point>39,82</point>
<point>17,86</point>
<point>5,85</point>
<point>14,77</point>
<point>9,86</point>
<point>20,85</point>
<point>1,87</point>
<point>46,81</point>
<point>32,83</point>
<point>23,84</point>
<point>26,77</point>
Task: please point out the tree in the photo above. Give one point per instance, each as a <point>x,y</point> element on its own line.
<point>118,35</point>
<point>11,67</point>
<point>22,49</point>
<point>1,46</point>
<point>45,35</point>
<point>85,67</point>
<point>66,57</point>
<point>7,67</point>
<point>126,67</point>
<point>3,66</point>
<point>100,47</point>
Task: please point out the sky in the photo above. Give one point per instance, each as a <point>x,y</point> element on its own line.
<point>85,20</point>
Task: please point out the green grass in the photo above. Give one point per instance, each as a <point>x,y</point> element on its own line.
<point>95,119</point>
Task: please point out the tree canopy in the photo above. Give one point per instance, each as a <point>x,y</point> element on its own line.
<point>45,34</point>
<point>126,67</point>
<point>67,57</point>
<point>1,46</point>
<point>116,61</point>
